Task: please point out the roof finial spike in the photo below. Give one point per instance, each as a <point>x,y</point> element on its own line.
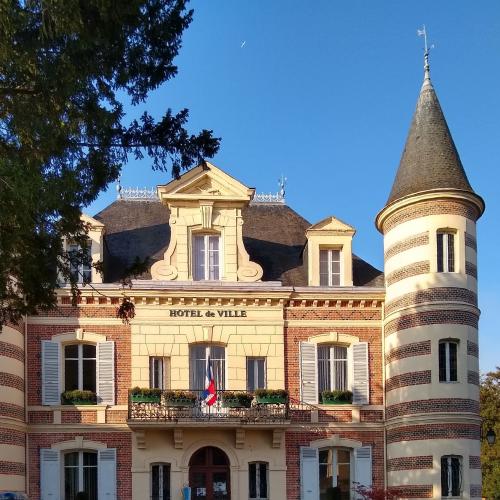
<point>427,74</point>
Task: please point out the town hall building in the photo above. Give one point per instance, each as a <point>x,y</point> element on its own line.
<point>264,360</point>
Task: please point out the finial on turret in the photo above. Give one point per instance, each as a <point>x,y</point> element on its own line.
<point>427,73</point>
<point>118,188</point>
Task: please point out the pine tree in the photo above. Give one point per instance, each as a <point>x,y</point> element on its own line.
<point>66,69</point>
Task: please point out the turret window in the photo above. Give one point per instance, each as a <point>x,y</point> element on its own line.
<point>445,252</point>
<point>451,476</point>
<point>206,257</point>
<point>448,361</point>
<point>329,267</point>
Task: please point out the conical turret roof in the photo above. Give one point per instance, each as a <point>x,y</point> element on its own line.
<point>430,160</point>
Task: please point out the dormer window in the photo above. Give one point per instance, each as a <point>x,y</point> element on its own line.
<point>80,262</point>
<point>329,267</point>
<point>445,251</point>
<point>206,257</point>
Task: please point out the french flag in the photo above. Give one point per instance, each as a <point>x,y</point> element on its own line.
<point>209,395</point>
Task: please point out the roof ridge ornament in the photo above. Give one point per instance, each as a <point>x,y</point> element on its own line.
<point>427,71</point>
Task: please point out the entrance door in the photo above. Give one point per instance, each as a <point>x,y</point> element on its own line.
<point>209,477</point>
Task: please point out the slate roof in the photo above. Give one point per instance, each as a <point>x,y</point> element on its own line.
<point>274,236</point>
<point>430,159</point>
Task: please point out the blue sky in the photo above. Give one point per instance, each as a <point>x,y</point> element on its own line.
<point>324,92</point>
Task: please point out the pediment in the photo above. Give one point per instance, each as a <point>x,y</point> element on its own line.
<point>205,182</point>
<point>332,224</point>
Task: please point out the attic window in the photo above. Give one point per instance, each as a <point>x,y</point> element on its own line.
<point>329,267</point>
<point>206,257</point>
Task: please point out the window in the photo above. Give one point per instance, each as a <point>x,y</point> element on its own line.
<point>80,474</point>
<point>448,361</point>
<point>256,373</point>
<point>258,480</point>
<point>80,263</point>
<point>156,373</point>
<point>451,476</point>
<point>445,252</point>
<point>335,472</point>
<point>332,368</point>
<point>200,354</point>
<point>206,257</point>
<point>329,267</point>
<point>160,482</point>
<point>80,367</point>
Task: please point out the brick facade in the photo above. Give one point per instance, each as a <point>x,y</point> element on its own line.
<point>425,318</point>
<point>410,463</point>
<point>407,379</point>
<point>446,405</point>
<point>408,271</point>
<point>433,431</point>
<point>406,244</point>
<point>408,351</point>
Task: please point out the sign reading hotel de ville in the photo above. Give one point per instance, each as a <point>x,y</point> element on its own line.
<point>210,313</point>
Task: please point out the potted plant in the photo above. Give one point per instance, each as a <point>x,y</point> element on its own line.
<point>145,395</point>
<point>336,397</point>
<point>77,397</point>
<point>271,396</point>
<point>236,399</point>
<point>179,398</point>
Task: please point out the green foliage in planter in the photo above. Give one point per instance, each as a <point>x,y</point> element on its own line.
<point>76,397</point>
<point>145,391</point>
<point>236,399</point>
<point>175,395</point>
<point>336,396</point>
<point>271,393</point>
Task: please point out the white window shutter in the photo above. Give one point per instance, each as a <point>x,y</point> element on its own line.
<point>51,392</point>
<point>106,373</point>
<point>50,482</point>
<point>308,373</point>
<point>363,466</point>
<point>360,383</point>
<point>106,474</point>
<point>309,473</point>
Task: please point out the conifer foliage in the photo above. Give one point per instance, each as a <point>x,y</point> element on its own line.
<point>66,69</point>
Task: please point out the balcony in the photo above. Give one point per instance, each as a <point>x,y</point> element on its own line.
<point>168,412</point>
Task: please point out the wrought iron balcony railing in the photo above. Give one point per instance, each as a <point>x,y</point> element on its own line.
<point>166,408</point>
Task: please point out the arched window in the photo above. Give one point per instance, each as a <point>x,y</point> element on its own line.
<point>80,474</point>
<point>160,481</point>
<point>332,368</point>
<point>206,257</point>
<point>335,472</point>
<point>258,480</point>
<point>445,240</point>
<point>80,367</point>
<point>448,350</point>
<point>200,356</point>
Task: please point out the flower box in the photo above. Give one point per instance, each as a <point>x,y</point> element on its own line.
<point>77,397</point>
<point>179,398</point>
<point>145,395</point>
<point>336,397</point>
<point>236,400</point>
<point>271,396</point>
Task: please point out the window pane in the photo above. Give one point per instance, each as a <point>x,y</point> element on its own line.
<point>155,482</point>
<point>88,382</point>
<point>323,368</point>
<point>71,460</point>
<point>89,351</point>
<point>90,459</point>
<point>70,375</point>
<point>166,482</point>
<point>453,361</point>
<point>439,237</point>
<point>199,258</point>
<point>335,255</point>
<point>451,252</point>
<point>442,361</point>
<point>213,257</point>
<point>71,351</point>
<point>335,268</point>
<point>263,480</point>
<point>70,482</point>
<point>444,476</point>
<point>90,482</point>
<point>252,480</point>
<point>323,267</point>
<point>455,476</point>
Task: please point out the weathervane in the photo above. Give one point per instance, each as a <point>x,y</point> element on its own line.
<point>423,33</point>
